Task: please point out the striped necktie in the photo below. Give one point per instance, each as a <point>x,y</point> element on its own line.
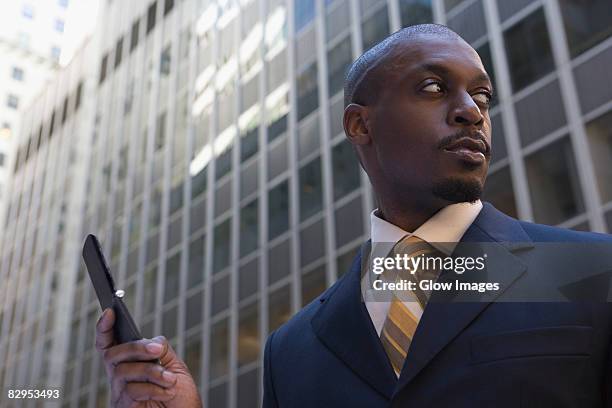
<point>402,320</point>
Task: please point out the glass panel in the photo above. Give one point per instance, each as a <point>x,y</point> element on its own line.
<point>219,349</point>
<point>375,28</point>
<point>311,189</point>
<point>149,290</point>
<point>279,308</point>
<point>248,334</point>
<point>173,269</point>
<point>338,59</point>
<point>346,169</point>
<point>221,246</point>
<point>313,284</point>
<point>415,12</point>
<point>307,92</point>
<point>249,229</point>
<point>528,48</point>
<point>587,23</point>
<point>278,210</point>
<point>553,183</point>
<point>169,322</point>
<point>193,317</point>
<point>193,358</point>
<point>599,133</point>
<point>196,262</point>
<point>304,13</point>
<point>499,191</point>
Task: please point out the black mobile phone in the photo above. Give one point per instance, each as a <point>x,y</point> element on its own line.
<point>125,329</point>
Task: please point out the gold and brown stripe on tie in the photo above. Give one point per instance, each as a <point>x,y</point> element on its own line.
<point>401,323</point>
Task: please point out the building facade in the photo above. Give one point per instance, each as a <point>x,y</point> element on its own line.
<point>31,38</point>
<point>208,156</point>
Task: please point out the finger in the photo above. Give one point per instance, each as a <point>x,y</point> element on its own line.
<point>104,330</point>
<point>139,350</point>
<point>146,391</point>
<point>142,372</point>
<point>168,355</point>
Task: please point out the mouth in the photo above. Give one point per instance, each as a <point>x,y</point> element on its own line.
<point>468,150</point>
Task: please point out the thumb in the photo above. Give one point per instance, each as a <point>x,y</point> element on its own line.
<point>167,356</point>
<point>104,330</point>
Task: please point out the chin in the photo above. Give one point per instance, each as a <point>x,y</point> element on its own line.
<point>458,190</point>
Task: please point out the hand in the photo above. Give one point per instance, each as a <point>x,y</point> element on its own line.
<point>136,380</point>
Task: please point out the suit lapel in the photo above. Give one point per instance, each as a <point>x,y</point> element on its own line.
<point>443,321</point>
<point>344,326</point>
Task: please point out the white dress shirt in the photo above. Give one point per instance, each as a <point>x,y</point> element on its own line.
<point>446,226</point>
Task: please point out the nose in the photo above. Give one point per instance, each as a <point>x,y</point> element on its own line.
<point>465,112</point>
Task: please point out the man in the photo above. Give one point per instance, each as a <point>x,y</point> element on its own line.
<point>417,114</point>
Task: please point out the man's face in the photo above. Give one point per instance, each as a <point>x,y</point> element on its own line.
<point>431,129</point>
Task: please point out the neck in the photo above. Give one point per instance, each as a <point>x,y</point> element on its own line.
<point>410,214</point>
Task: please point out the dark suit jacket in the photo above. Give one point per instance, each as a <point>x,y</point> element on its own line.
<point>471,354</point>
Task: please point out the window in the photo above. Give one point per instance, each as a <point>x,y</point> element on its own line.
<point>307,91</point>
<point>375,28</point>
<point>59,25</point>
<point>164,64</point>
<point>221,250</point>
<point>587,23</point>
<point>103,65</point>
<point>248,334</point>
<point>17,74</point>
<point>23,40</point>
<point>279,307</point>
<point>313,284</point>
<point>339,58</point>
<point>198,182</point>
<point>160,131</point>
<point>599,134</point>
<point>173,270</point>
<point>553,183</point>
<point>311,189</point>
<point>168,5</point>
<point>249,143</point>
<point>134,35</point>
<point>304,13</point>
<point>151,17</point>
<point>249,231</point>
<point>56,52</point>
<point>27,11</point>
<point>415,12</point>
<point>219,338</point>
<point>196,262</point>
<point>346,169</point>
<point>12,101</point>
<point>278,210</point>
<point>528,48</point>
<point>118,52</point>
<point>499,191</point>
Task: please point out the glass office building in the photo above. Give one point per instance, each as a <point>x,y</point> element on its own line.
<point>211,161</point>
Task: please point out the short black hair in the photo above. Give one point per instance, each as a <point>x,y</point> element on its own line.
<point>359,74</point>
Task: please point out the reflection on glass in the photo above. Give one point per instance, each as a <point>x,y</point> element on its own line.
<point>279,308</point>
<point>587,23</point>
<point>553,183</point>
<point>499,191</point>
<point>528,48</point>
<point>249,230</point>
<point>599,134</point>
<point>248,334</point>
<point>219,349</point>
<point>278,210</point>
<point>311,189</point>
<point>221,252</point>
<point>346,169</point>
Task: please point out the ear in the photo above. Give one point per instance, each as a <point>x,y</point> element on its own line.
<point>356,122</point>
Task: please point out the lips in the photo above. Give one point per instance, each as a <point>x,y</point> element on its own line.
<point>470,150</point>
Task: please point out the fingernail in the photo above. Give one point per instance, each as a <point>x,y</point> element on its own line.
<point>154,348</point>
<point>169,376</point>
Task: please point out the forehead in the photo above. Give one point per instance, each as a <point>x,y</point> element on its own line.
<point>427,53</point>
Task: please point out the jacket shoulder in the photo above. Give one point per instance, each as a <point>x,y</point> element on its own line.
<point>547,233</point>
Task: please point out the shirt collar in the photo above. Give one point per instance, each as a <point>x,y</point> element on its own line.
<point>446,226</point>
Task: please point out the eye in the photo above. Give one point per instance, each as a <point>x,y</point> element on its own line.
<point>433,87</point>
<point>483,98</point>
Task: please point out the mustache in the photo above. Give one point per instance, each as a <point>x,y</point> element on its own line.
<point>465,133</point>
